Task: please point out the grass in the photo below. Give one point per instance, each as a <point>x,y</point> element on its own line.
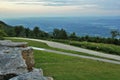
<point>44,45</point>
<point>62,67</point>
<point>31,43</point>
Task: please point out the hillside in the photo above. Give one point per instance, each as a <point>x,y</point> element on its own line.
<point>6,28</point>
<point>4,25</point>
<point>64,67</point>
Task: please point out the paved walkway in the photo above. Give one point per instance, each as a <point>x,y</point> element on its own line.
<point>73,48</point>
<point>76,55</point>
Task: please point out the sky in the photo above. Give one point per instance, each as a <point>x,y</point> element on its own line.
<point>35,8</point>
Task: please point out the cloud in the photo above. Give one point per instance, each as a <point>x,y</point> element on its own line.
<point>103,4</point>
<point>58,7</point>
<point>45,2</point>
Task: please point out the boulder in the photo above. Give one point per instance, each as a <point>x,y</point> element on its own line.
<point>12,62</point>
<point>38,70</point>
<point>12,65</point>
<point>17,62</point>
<point>9,43</point>
<point>33,75</point>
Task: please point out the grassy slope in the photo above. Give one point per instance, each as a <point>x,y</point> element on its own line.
<point>62,67</point>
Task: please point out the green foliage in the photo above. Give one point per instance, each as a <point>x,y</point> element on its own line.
<point>112,49</point>
<point>27,32</point>
<point>20,31</point>
<point>107,48</point>
<point>73,36</point>
<point>60,34</point>
<point>1,38</point>
<point>2,34</point>
<point>9,30</point>
<point>100,40</point>
<point>115,33</point>
<point>36,32</point>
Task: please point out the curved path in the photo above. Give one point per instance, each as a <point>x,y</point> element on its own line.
<point>76,55</point>
<point>73,48</point>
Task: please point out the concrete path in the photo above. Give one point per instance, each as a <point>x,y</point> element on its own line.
<point>76,55</point>
<point>73,48</point>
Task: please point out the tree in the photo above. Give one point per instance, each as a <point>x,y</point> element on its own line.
<point>20,31</point>
<point>2,34</point>
<point>73,36</point>
<point>114,33</point>
<point>63,34</point>
<point>1,27</point>
<point>60,34</point>
<point>27,32</point>
<point>56,33</point>
<point>36,32</point>
<point>10,32</point>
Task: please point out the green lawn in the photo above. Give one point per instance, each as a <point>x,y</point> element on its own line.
<point>62,67</point>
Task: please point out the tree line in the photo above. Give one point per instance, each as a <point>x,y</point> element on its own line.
<point>36,32</point>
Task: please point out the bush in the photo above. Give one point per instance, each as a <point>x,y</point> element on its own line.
<point>1,38</point>
<point>107,48</point>
<point>2,34</point>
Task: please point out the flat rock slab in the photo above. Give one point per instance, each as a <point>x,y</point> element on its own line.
<point>9,43</point>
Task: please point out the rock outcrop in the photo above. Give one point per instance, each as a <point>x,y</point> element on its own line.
<point>17,62</point>
<point>33,75</point>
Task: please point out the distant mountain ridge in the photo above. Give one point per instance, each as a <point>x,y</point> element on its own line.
<point>4,25</point>
<point>93,26</point>
<point>1,22</point>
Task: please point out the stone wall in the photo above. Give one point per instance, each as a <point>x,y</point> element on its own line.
<point>17,62</point>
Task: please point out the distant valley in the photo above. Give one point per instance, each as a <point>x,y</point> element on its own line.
<point>93,26</point>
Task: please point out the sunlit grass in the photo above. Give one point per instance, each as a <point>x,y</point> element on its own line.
<point>62,67</point>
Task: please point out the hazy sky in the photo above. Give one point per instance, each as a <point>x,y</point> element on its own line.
<point>31,8</point>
